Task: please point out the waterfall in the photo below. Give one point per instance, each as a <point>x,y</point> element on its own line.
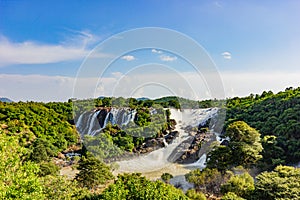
<point>107,119</point>
<point>165,142</point>
<point>93,122</point>
<point>200,163</point>
<point>159,159</point>
<point>79,122</point>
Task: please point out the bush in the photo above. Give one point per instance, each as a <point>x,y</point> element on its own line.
<point>48,168</point>
<point>193,195</point>
<point>231,196</point>
<point>242,185</point>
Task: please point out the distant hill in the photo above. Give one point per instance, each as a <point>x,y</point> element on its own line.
<point>142,99</point>
<point>4,99</point>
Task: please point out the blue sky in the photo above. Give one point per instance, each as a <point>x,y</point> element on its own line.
<point>255,45</point>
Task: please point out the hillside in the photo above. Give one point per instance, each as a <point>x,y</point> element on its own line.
<point>277,117</point>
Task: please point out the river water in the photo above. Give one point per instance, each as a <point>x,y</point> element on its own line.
<point>154,164</point>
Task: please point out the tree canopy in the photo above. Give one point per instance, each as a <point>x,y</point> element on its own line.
<point>244,148</point>
<point>135,186</point>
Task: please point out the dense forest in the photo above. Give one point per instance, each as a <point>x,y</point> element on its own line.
<point>262,145</point>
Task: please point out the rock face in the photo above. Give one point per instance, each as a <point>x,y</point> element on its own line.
<point>171,136</point>
<point>102,116</point>
<point>189,150</point>
<point>156,143</point>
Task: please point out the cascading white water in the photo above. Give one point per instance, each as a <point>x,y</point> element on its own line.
<point>165,142</point>
<point>88,122</point>
<point>158,159</point>
<point>93,122</point>
<point>79,122</point>
<point>129,117</point>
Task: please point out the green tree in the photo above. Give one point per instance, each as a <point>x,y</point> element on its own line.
<point>220,157</point>
<point>135,186</point>
<point>282,183</point>
<point>18,179</point>
<point>207,180</point>
<point>107,101</point>
<point>41,150</point>
<point>244,143</point>
<point>273,154</point>
<point>92,172</point>
<point>59,187</point>
<point>243,149</point>
<point>48,168</point>
<point>242,185</point>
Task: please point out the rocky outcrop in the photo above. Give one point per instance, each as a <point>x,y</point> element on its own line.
<point>171,136</point>
<point>189,151</point>
<point>102,116</point>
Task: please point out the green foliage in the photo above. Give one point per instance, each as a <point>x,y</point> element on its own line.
<point>244,148</point>
<point>92,172</point>
<point>106,101</point>
<point>220,157</point>
<point>273,154</point>
<point>193,195</point>
<point>58,187</point>
<point>48,168</point>
<point>231,196</point>
<point>242,185</point>
<point>47,122</point>
<point>244,142</point>
<point>207,180</point>
<point>102,146</point>
<point>282,183</point>
<point>135,186</point>
<point>272,115</point>
<point>143,117</point>
<point>18,179</point>
<point>166,177</point>
<point>63,108</point>
<point>41,150</point>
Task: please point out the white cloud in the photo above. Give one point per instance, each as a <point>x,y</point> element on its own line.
<point>226,55</point>
<point>188,84</point>
<point>128,57</point>
<point>167,58</point>
<point>29,52</point>
<point>156,51</point>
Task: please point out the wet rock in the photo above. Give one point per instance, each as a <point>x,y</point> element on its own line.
<point>102,116</point>
<point>225,143</point>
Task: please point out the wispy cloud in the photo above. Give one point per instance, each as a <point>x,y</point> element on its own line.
<point>80,38</point>
<point>128,58</point>
<point>226,55</point>
<point>30,52</point>
<point>156,51</point>
<point>168,58</point>
<point>218,4</point>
